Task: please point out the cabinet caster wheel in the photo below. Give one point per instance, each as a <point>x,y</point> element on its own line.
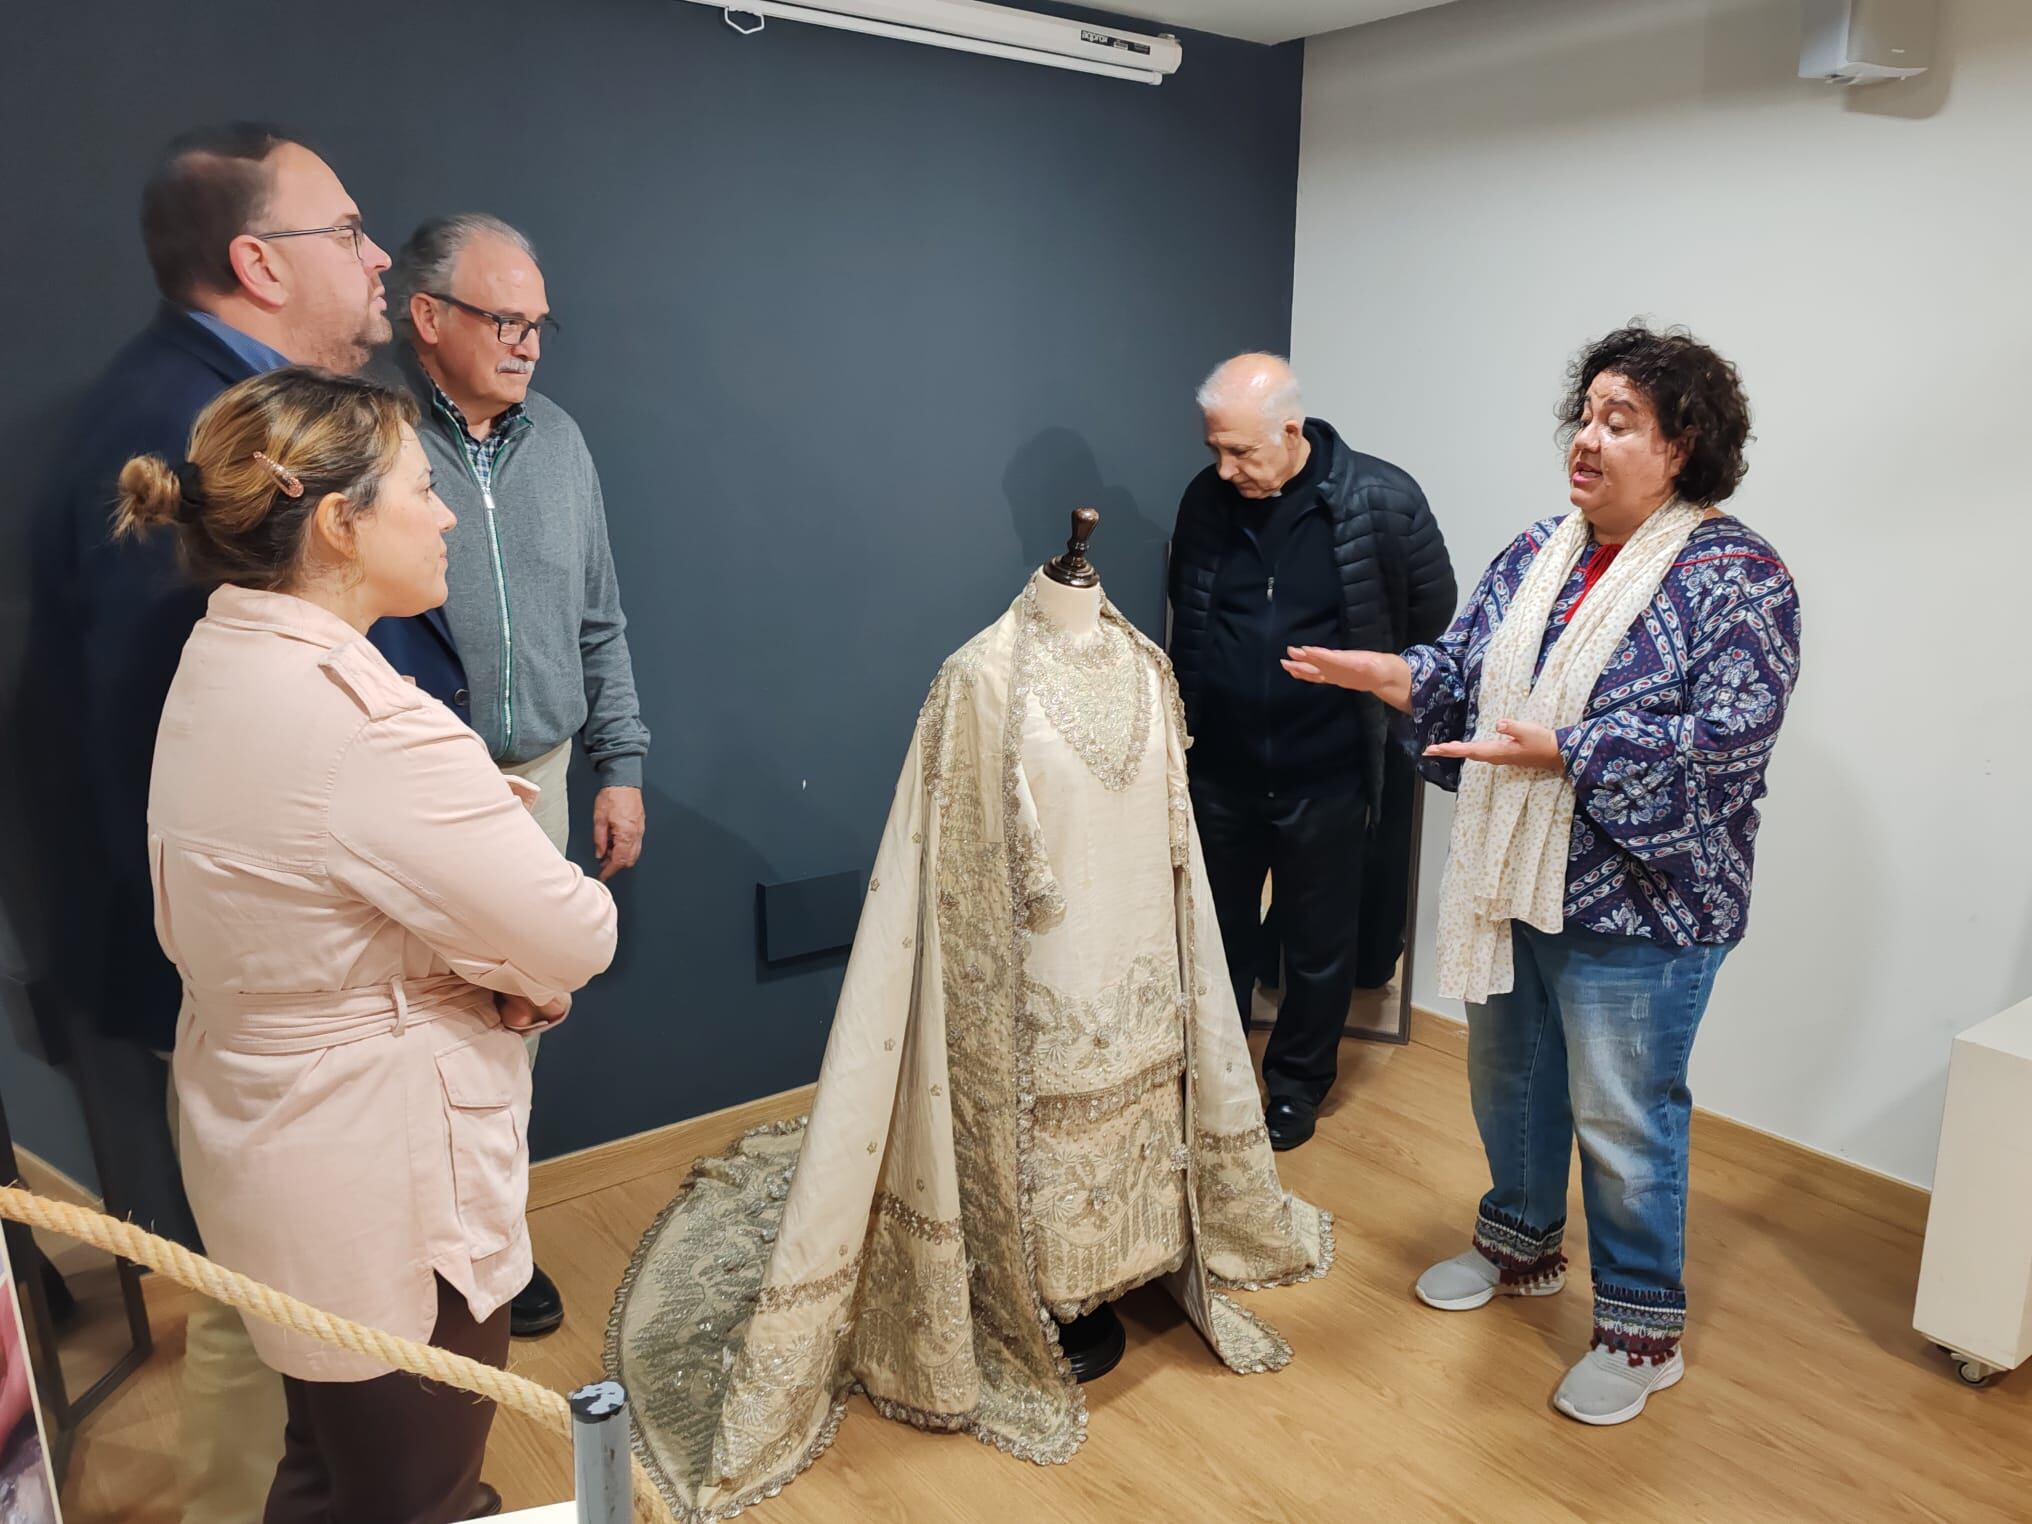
<point>1975,1373</point>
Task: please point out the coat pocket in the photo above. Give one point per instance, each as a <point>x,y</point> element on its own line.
<point>486,1090</point>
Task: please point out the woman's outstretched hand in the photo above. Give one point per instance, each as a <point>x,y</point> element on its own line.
<point>1515,744</point>
<point>1377,672</point>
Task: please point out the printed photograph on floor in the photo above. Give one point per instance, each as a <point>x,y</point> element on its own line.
<point>27,1486</point>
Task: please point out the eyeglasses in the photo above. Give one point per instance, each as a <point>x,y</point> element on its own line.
<point>352,230</point>
<point>509,330</point>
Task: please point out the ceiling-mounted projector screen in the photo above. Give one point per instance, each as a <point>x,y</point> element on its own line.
<point>998,31</point>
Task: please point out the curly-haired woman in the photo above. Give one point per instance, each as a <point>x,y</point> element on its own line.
<point>1605,706</point>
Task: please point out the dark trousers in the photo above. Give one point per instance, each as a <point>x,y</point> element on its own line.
<point>1312,850</point>
<point>1386,874</point>
<point>395,1450</point>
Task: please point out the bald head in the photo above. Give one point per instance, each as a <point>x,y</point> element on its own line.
<point>1255,423</point>
<point>1262,381</point>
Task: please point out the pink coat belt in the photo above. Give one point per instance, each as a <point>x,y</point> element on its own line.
<point>318,1019</point>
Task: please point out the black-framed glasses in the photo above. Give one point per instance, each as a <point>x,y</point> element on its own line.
<point>509,330</point>
<point>352,230</point>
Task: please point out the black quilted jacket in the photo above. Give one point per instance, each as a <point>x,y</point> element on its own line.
<point>1397,582</point>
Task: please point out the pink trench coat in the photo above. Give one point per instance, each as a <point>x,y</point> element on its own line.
<point>341,877</point>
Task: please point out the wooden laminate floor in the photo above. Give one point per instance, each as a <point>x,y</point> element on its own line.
<point>1807,1396</point>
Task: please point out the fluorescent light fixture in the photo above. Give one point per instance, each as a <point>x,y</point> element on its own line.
<point>971,26</point>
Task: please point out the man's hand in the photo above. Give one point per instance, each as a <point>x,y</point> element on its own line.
<point>520,1015</point>
<point>1514,744</point>
<point>618,826</point>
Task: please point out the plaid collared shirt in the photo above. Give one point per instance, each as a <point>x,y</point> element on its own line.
<point>481,454</point>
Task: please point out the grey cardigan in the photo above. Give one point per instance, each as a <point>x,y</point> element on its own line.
<point>535,606</point>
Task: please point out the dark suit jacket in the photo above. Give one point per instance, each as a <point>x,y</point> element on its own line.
<point>108,631</point>
<point>423,648</point>
<point>109,626</point>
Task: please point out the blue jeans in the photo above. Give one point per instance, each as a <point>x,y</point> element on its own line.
<point>1593,1042</point>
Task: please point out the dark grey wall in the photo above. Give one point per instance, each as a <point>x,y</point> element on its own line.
<point>851,326</point>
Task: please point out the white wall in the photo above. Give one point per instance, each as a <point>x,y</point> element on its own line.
<point>1486,186</point>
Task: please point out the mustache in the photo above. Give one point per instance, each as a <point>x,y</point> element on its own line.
<point>515,365</point>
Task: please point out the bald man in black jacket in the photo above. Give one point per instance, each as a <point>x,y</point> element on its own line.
<point>1292,538</point>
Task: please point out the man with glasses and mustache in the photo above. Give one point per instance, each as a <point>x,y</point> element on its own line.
<point>261,261</point>
<point>535,607</point>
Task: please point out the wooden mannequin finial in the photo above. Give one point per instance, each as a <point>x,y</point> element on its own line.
<point>1073,569</point>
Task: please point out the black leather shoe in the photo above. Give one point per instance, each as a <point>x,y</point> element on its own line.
<point>1290,1123</point>
<point>487,1505</point>
<point>1093,1345</point>
<point>537,1308</point>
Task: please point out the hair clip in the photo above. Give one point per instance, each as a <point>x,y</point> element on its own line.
<point>290,483</point>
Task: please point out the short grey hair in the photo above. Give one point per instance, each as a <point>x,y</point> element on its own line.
<point>1274,387</point>
<point>431,254</point>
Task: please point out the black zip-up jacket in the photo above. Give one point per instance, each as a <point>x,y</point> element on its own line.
<point>1396,589</point>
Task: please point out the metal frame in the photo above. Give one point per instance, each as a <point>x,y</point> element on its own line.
<point>1408,964</point>
<point>65,1414</point>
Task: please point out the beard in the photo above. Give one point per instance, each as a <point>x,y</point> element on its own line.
<point>370,332</point>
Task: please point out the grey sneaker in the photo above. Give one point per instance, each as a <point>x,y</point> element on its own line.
<point>1605,1388</point>
<point>1469,1280</point>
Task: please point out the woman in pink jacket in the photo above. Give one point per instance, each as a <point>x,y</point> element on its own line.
<point>365,918</point>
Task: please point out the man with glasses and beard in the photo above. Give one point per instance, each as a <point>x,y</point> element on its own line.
<point>262,261</point>
<point>534,606</point>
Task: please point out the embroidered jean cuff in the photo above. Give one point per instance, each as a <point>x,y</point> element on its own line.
<point>1644,1325</point>
<point>1521,1252</point>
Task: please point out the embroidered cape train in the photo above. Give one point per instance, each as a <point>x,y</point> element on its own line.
<point>1035,1097</point>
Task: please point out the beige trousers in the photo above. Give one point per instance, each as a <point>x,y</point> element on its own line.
<point>230,1438</point>
<point>553,810</point>
<point>548,772</point>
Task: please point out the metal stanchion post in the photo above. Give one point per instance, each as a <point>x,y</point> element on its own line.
<point>600,1452</point>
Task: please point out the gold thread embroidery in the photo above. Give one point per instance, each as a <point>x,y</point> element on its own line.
<point>1095,692</point>
<point>1099,1105</point>
<point>804,1293</point>
<point>933,1229</point>
<point>1235,1142</point>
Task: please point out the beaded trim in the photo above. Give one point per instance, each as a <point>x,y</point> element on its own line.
<point>804,1293</point>
<point>1088,669</point>
<point>1327,1252</point>
<point>1065,1312</point>
<point>1234,1142</point>
<point>611,1359</point>
<point>1280,1347</point>
<point>1522,1253</point>
<point>1099,1105</point>
<point>932,1229</point>
<point>1645,1326</point>
<point>1022,675</point>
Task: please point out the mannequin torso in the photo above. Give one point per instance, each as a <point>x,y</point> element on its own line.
<point>1076,610</point>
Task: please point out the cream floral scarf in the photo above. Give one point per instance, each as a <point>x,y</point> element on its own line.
<point>1512,825</point>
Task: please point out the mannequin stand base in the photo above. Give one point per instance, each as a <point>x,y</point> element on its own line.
<point>1093,1344</point>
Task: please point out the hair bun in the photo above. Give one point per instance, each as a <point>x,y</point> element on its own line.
<point>151,495</point>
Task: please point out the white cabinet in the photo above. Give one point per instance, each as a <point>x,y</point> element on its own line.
<point>1975,1281</point>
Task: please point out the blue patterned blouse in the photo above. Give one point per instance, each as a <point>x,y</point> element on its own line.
<point>1668,762</point>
